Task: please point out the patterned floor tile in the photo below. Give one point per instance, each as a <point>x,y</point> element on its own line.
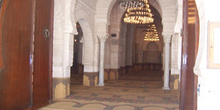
<point>140,91</point>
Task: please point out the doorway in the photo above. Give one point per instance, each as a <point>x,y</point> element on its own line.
<point>26,34</point>
<point>77,67</point>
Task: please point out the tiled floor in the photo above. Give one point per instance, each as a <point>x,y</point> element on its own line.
<point>139,91</point>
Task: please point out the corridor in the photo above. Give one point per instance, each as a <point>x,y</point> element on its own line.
<point>134,91</point>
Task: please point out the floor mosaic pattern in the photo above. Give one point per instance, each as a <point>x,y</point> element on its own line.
<point>128,93</point>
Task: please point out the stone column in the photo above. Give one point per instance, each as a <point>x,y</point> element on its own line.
<point>166,61</point>
<point>102,40</point>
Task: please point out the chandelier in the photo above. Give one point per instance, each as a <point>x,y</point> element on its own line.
<point>138,12</point>
<point>151,33</point>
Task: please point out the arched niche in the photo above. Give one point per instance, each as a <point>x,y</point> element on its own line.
<point>152,53</point>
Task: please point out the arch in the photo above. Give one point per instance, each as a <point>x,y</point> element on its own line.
<point>86,13</point>
<point>88,45</point>
<point>152,46</point>
<point>104,12</point>
<point>152,55</point>
<point>179,17</point>
<point>156,5</point>
<point>202,37</point>
<point>117,12</point>
<point>167,12</point>
<point>78,41</point>
<point>84,18</point>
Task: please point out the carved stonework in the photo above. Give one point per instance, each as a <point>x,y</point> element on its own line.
<point>102,38</point>
<point>167,38</point>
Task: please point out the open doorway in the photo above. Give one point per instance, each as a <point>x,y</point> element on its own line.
<point>77,67</point>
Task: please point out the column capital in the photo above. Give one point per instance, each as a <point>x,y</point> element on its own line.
<point>167,38</point>
<point>103,38</point>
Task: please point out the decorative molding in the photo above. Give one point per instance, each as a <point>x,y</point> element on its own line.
<point>91,76</point>
<point>64,90</point>
<point>102,38</point>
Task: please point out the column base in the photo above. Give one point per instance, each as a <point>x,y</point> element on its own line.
<point>61,87</point>
<point>100,84</point>
<point>90,78</point>
<point>166,88</point>
<point>174,81</point>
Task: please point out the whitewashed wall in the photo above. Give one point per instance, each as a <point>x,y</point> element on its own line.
<point>208,89</point>
<point>63,38</point>
<point>176,41</point>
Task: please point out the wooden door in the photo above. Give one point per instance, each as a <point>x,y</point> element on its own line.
<point>25,54</point>
<point>16,36</point>
<point>42,53</point>
<point>188,92</point>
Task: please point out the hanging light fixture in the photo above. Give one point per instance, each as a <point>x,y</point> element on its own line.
<point>138,12</point>
<point>151,33</point>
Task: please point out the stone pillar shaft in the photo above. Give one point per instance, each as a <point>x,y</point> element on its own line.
<point>102,40</point>
<point>166,61</point>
